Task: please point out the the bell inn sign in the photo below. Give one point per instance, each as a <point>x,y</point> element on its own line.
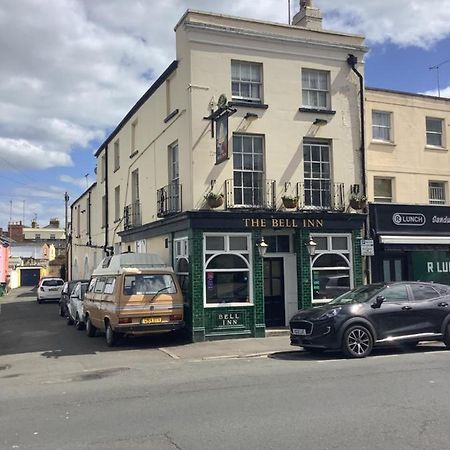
<point>283,223</point>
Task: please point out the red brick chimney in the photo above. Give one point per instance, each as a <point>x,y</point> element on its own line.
<point>15,231</point>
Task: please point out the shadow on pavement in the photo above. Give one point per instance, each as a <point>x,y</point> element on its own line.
<point>303,355</point>
<point>26,326</point>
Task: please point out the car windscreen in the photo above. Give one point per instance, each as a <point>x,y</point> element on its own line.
<point>149,284</point>
<point>52,283</point>
<point>358,295</point>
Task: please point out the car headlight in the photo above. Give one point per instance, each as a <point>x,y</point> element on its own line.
<point>329,314</point>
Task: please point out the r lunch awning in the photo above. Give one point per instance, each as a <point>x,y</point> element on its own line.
<point>414,240</point>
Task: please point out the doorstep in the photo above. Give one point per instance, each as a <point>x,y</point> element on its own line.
<point>277,331</point>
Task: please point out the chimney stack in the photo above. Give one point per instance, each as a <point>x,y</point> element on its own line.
<point>308,16</point>
<point>54,222</point>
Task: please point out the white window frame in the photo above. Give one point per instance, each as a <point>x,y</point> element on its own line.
<point>209,255</point>
<point>443,187</point>
<point>117,155</point>
<point>388,127</point>
<point>117,211</point>
<point>315,91</point>
<point>236,66</point>
<point>346,254</point>
<point>254,187</point>
<point>382,199</point>
<point>441,133</point>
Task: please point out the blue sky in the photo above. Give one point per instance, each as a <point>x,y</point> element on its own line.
<point>66,82</point>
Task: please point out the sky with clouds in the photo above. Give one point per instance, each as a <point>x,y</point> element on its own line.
<point>71,69</point>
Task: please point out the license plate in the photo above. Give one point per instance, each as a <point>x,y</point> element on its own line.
<point>53,289</point>
<point>151,320</point>
<point>299,331</point>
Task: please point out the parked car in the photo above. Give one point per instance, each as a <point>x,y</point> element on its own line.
<point>65,295</point>
<point>75,307</point>
<point>49,288</point>
<point>383,313</point>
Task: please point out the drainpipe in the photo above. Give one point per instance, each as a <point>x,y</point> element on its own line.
<point>352,60</point>
<point>105,248</point>
<point>89,213</point>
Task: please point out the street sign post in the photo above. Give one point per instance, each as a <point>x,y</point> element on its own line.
<point>367,247</point>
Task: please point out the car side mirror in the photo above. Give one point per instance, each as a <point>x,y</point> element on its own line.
<point>378,301</point>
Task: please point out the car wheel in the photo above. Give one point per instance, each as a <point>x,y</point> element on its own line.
<point>357,342</point>
<point>111,336</point>
<point>39,300</point>
<point>78,323</point>
<point>90,329</point>
<point>69,319</point>
<point>447,336</point>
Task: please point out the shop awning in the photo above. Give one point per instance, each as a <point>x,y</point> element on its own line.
<point>427,240</point>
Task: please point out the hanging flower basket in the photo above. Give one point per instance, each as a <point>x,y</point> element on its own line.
<point>289,201</point>
<point>214,200</point>
<point>358,201</point>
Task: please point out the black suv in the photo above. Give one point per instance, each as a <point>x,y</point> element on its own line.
<point>402,312</point>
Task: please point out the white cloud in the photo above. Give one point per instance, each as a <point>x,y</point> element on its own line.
<point>81,182</point>
<point>71,69</point>
<point>444,92</point>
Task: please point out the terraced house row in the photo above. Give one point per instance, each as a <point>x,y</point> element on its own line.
<point>252,144</point>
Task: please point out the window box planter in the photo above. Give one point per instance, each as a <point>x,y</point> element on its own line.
<point>214,200</point>
<point>358,201</point>
<point>289,202</point>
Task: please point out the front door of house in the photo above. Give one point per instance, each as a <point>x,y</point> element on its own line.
<point>274,292</point>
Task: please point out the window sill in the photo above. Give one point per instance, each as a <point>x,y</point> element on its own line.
<point>436,148</point>
<point>248,104</point>
<point>378,142</point>
<point>227,305</point>
<point>316,110</point>
<point>134,154</point>
<point>171,115</point>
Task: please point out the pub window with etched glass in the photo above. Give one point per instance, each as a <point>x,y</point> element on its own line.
<point>246,81</point>
<point>181,258</point>
<point>248,170</point>
<point>331,273</point>
<point>315,89</point>
<point>227,276</point>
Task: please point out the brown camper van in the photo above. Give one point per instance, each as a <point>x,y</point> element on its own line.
<point>133,294</point>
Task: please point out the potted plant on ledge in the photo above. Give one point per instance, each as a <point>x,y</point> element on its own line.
<point>358,201</point>
<point>214,200</point>
<point>289,201</point>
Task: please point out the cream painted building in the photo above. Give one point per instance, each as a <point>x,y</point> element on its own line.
<point>250,112</point>
<point>408,167</point>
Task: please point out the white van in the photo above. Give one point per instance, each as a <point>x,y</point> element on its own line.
<point>133,294</point>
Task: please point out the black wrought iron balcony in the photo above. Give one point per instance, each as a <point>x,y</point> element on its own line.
<point>169,199</point>
<point>132,215</point>
<point>251,193</point>
<point>321,195</point>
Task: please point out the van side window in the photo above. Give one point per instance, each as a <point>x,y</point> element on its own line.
<point>99,286</point>
<point>92,284</point>
<point>109,286</point>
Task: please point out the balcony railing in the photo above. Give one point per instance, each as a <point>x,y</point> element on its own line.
<point>169,199</point>
<point>132,215</point>
<point>321,195</point>
<point>257,195</point>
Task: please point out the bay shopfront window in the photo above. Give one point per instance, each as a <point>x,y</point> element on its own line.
<point>227,279</point>
<point>331,267</point>
<point>181,263</point>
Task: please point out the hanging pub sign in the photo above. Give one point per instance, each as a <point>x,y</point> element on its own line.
<point>219,120</point>
<point>222,138</point>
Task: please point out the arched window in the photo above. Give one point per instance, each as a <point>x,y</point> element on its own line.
<point>227,269</point>
<point>181,257</point>
<point>331,267</point>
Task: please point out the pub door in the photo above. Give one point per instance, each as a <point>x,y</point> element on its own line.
<point>274,309</point>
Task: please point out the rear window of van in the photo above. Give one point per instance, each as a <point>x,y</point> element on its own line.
<point>149,284</point>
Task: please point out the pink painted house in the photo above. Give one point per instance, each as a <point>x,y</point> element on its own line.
<point>4,258</point>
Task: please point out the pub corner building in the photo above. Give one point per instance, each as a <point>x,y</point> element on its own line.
<point>219,159</point>
<point>243,272</point>
<point>412,242</point>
